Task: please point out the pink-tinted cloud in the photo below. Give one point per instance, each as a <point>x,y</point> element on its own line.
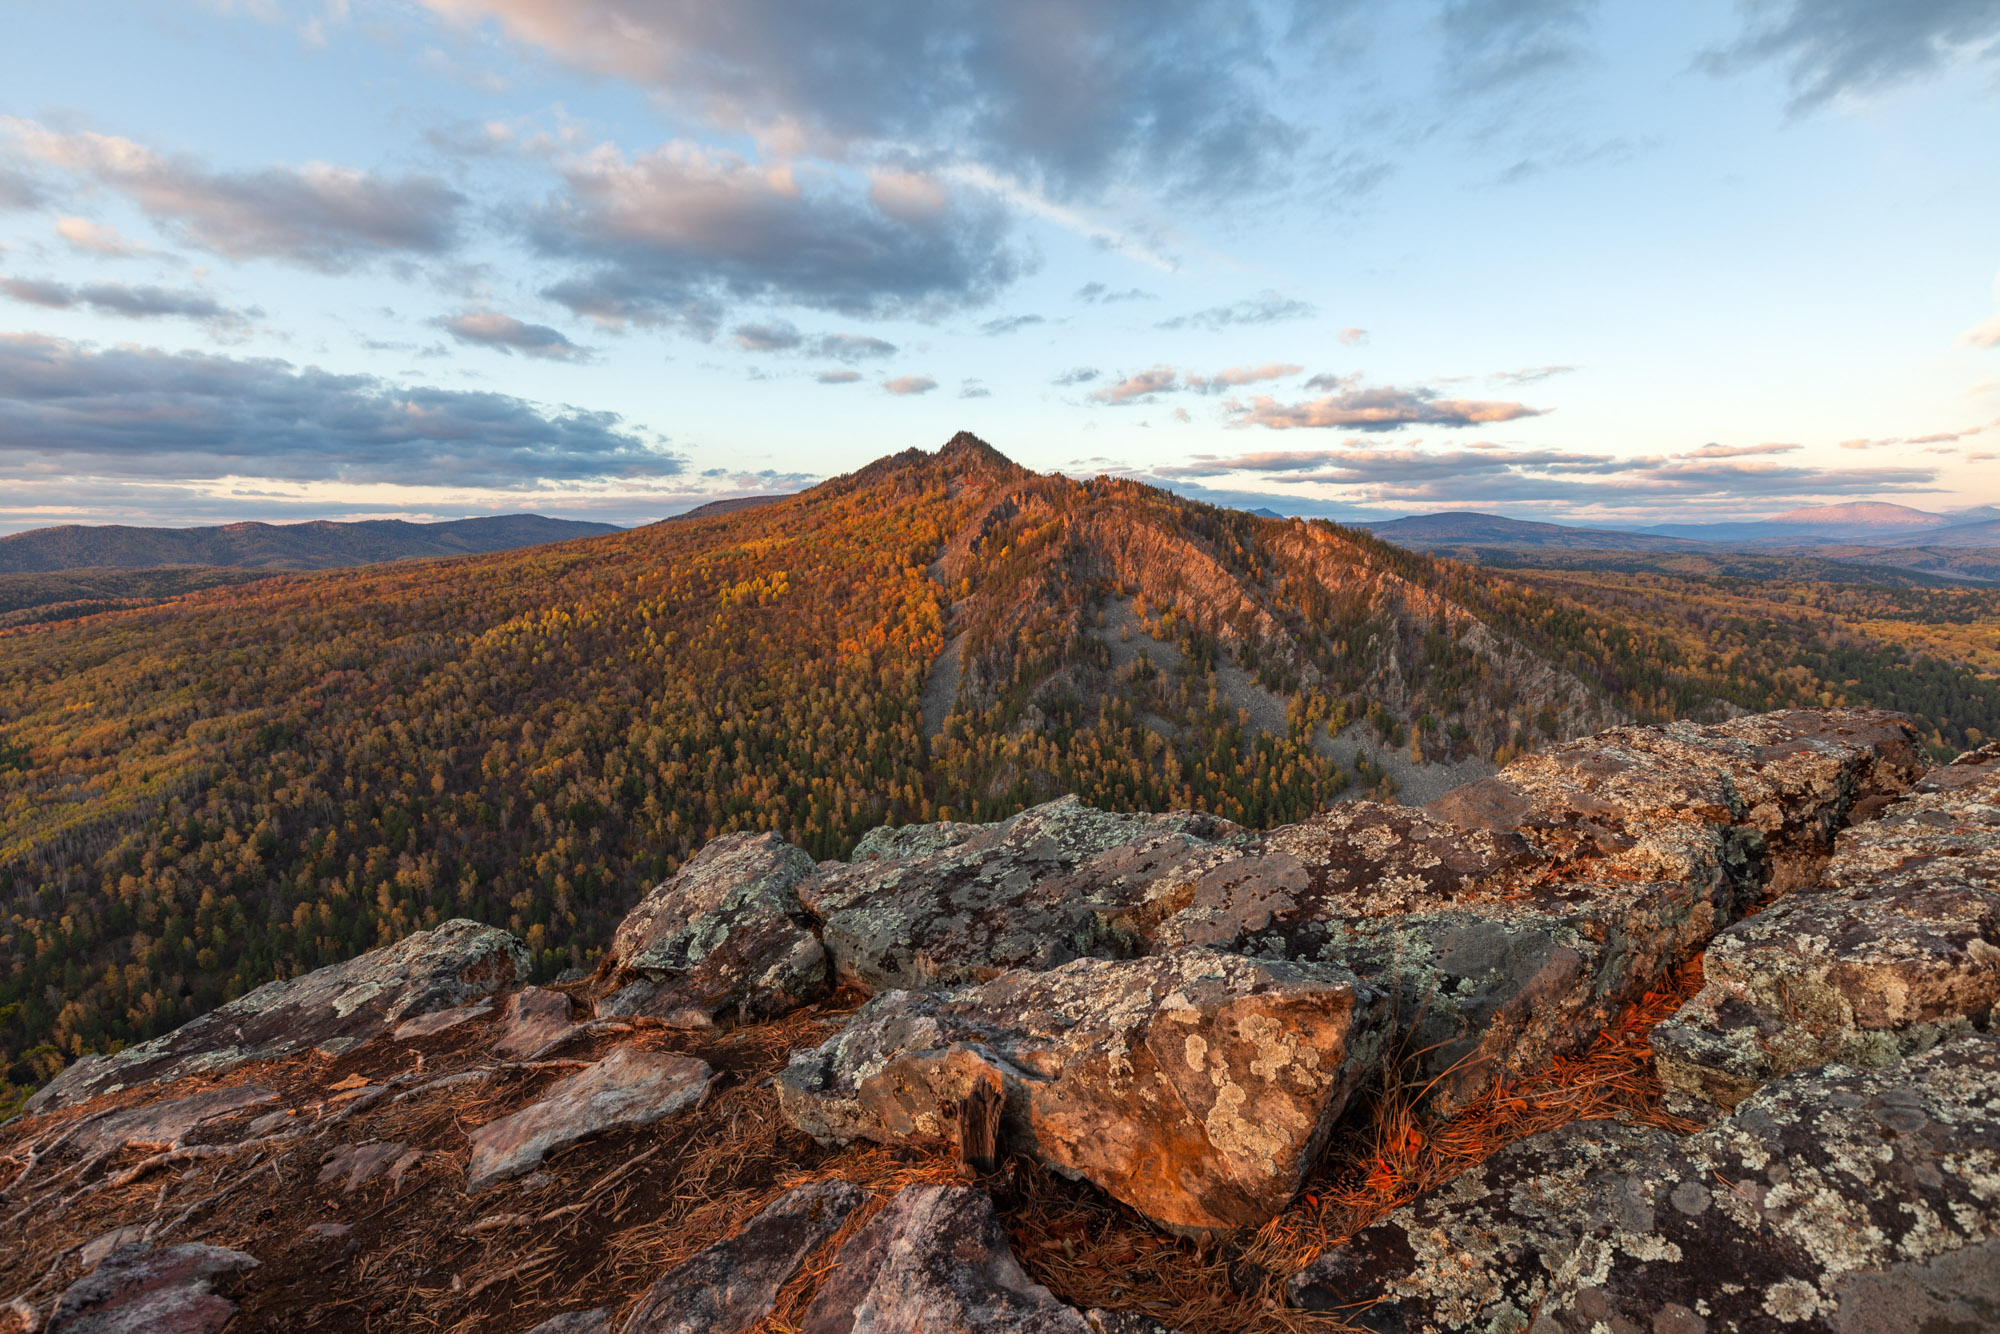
<point>1140,387</point>
<point>904,386</point>
<point>1384,409</point>
<point>319,215</point>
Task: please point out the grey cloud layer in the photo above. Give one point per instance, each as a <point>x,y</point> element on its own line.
<point>783,336</point>
<point>324,217</point>
<point>71,409</point>
<point>671,237</point>
<point>132,302</point>
<point>1483,475</point>
<point>1069,97</point>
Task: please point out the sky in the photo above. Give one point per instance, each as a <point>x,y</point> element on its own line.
<point>1587,262</point>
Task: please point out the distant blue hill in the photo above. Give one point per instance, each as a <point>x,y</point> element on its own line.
<point>318,545</point>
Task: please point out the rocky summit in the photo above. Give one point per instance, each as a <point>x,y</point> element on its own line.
<point>1079,1070</point>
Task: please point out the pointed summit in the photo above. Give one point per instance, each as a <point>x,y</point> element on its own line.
<point>965,447</point>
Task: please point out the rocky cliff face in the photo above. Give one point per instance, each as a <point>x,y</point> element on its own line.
<point>1170,1020</point>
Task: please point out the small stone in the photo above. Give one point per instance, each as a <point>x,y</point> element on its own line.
<point>355,1165</point>
<point>535,1018</point>
<point>733,1284</point>
<point>98,1247</point>
<point>1690,1197</point>
<point>626,1090</point>
<point>597,1320</point>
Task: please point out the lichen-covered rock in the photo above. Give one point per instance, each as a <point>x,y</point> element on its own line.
<point>732,1285</point>
<point>935,1261</point>
<point>1786,782</point>
<point>1831,1200</point>
<point>935,908</point>
<point>1896,948</point>
<point>177,1290</point>
<point>624,1091</point>
<point>1196,1087</point>
<point>1497,959</point>
<point>596,1320</point>
<point>725,936</point>
<point>333,1009</point>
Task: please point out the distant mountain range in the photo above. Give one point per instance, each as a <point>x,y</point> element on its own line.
<point>1426,532</point>
<point>1871,525</point>
<point>318,545</point>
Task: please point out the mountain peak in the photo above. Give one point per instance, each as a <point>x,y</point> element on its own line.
<point>1873,512</point>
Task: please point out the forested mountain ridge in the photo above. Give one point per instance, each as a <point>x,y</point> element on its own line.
<point>316,545</point>
<point>249,782</point>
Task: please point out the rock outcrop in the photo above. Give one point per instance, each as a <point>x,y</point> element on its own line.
<point>332,1010</point>
<point>1169,1007</point>
<point>1196,1087</point>
<point>1895,948</point>
<point>1834,1200</point>
<point>939,906</point>
<point>725,937</point>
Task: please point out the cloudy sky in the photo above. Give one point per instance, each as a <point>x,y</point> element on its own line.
<point>290,259</point>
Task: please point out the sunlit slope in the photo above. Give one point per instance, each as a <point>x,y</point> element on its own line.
<point>198,796</point>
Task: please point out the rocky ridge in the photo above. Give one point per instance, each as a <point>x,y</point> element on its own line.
<point>1174,1010</point>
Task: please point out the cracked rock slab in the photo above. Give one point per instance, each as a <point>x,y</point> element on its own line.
<point>1196,1087</point>
<point>733,1285</point>
<point>726,936</point>
<point>938,906</point>
<point>333,1009</point>
<point>935,1261</point>
<point>626,1090</point>
<point>1894,950</point>
<point>176,1290</point>
<point>1830,1197</point>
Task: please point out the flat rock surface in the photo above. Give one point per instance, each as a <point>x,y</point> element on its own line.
<point>333,1008</point>
<point>939,908</point>
<point>1896,948</point>
<point>1196,1087</point>
<point>176,1290</point>
<point>163,1125</point>
<point>725,936</point>
<point>624,1091</point>
<point>935,1261</point>
<point>1829,1200</point>
<point>733,1285</point>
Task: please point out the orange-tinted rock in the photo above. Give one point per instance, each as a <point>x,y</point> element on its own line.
<point>1196,1087</point>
